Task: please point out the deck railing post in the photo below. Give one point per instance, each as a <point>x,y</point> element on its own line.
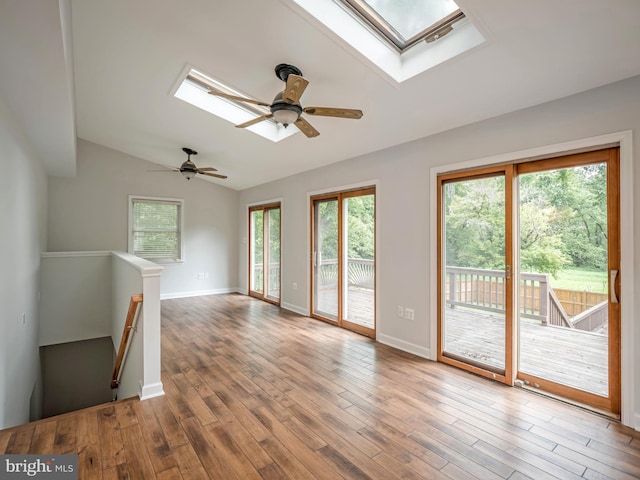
<point>544,299</point>
<point>452,289</point>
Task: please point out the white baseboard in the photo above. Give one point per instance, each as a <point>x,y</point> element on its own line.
<point>295,309</point>
<point>404,346</point>
<point>151,391</point>
<point>198,293</point>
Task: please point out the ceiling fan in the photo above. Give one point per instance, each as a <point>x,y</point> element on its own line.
<point>189,170</point>
<point>286,108</point>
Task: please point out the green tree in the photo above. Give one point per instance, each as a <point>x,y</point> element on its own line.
<point>361,227</point>
<point>328,229</point>
<point>474,223</point>
<point>563,220</point>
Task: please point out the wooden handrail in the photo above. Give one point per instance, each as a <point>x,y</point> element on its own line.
<point>128,327</point>
<point>557,315</point>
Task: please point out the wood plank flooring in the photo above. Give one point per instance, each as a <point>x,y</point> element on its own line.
<point>255,392</point>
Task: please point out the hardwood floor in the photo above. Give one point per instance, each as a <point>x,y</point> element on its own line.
<point>254,392</point>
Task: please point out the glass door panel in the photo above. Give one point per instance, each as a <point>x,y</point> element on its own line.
<point>325,259</point>
<point>256,252</point>
<point>567,226</point>
<point>264,252</point>
<point>359,246</point>
<point>474,273</point>
<point>272,276</point>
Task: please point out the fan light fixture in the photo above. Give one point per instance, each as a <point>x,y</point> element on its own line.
<point>188,174</point>
<point>188,169</point>
<point>285,113</point>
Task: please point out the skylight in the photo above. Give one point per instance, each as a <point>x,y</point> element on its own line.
<point>405,23</point>
<point>194,89</point>
<point>401,38</point>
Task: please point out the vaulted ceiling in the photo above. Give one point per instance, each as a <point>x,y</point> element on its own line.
<point>128,56</point>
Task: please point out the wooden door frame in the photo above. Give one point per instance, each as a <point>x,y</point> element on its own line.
<point>339,196</point>
<point>253,293</point>
<point>611,157</point>
<point>492,171</point>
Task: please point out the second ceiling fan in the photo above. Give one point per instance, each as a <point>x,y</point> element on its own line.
<point>286,108</point>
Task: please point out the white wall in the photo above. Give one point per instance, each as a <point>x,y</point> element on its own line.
<point>89,212</point>
<point>23,193</point>
<point>403,202</point>
<point>76,297</point>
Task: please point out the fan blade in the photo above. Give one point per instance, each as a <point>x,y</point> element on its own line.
<point>239,99</point>
<point>255,120</point>
<point>212,175</point>
<point>172,170</point>
<point>306,128</point>
<point>296,86</point>
<point>207,169</point>
<point>334,112</point>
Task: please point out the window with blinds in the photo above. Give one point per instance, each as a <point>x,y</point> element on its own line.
<point>155,231</point>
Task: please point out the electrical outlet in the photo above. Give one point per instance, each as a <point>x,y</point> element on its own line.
<point>24,318</point>
<point>400,311</point>
<point>294,286</point>
<point>206,276</point>
<point>408,313</point>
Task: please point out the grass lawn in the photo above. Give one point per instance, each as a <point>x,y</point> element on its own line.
<point>580,280</point>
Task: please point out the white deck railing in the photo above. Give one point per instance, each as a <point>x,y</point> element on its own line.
<point>361,272</point>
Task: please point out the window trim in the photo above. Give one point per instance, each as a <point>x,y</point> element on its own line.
<point>374,20</point>
<point>174,201</point>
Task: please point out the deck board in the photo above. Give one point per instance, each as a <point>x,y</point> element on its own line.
<point>572,357</point>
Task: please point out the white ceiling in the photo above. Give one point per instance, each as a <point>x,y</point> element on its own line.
<point>128,56</point>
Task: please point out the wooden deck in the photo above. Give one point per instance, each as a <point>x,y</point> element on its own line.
<point>571,357</point>
<point>360,304</point>
<point>255,392</point>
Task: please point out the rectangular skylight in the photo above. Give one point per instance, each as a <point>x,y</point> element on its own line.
<point>397,36</point>
<point>194,90</point>
<point>405,23</point>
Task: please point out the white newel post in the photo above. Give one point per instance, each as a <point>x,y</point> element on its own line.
<point>151,383</point>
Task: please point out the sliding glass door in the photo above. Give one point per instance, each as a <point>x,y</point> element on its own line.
<point>343,259</point>
<point>264,252</point>
<point>553,226</point>
<point>569,325</point>
<point>475,268</point>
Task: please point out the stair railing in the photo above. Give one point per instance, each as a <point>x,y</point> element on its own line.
<point>124,341</point>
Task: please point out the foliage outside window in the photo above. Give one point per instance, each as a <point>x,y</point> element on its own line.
<point>360,225</point>
<point>155,231</point>
<point>563,221</point>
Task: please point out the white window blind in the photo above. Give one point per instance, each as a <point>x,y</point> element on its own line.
<point>156,229</point>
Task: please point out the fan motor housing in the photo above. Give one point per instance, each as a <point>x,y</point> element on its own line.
<point>188,166</point>
<point>294,107</point>
<point>283,70</point>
